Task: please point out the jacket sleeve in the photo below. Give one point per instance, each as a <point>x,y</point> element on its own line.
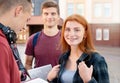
<point>53,81</point>
<point>100,72</point>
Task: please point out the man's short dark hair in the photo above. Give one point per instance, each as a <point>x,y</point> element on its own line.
<point>6,5</point>
<point>50,3</point>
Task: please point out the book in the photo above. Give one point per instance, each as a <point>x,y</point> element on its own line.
<point>36,80</point>
<point>40,72</point>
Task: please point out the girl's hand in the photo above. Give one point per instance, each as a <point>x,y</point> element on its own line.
<point>53,73</point>
<point>85,72</point>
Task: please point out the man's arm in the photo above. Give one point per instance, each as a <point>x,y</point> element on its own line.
<point>28,62</point>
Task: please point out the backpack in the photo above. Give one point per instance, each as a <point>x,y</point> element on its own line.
<point>35,38</point>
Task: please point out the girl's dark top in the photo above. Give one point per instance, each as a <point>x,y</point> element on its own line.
<point>100,69</point>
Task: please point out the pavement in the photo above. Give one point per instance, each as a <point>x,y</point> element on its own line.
<point>111,54</point>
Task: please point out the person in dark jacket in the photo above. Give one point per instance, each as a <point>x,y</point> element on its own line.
<point>80,62</point>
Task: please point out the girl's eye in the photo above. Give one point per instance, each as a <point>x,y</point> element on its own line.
<point>77,29</point>
<point>67,29</point>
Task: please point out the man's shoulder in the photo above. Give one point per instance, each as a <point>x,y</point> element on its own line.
<point>3,41</point>
<point>32,36</point>
<point>4,46</point>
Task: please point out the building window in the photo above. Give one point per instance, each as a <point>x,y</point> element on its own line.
<point>75,7</point>
<point>80,9</point>
<point>33,9</point>
<point>70,9</point>
<point>102,10</point>
<point>106,34</point>
<point>102,34</point>
<point>98,34</point>
<point>107,9</point>
<point>98,10</point>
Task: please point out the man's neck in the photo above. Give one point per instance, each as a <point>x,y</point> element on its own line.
<point>51,31</point>
<point>4,22</point>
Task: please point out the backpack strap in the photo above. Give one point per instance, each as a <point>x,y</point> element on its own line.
<point>83,57</point>
<point>35,38</point>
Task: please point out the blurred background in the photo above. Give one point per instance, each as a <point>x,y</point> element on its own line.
<point>103,17</point>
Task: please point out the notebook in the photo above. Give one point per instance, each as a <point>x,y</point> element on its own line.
<point>36,80</point>
<point>40,72</point>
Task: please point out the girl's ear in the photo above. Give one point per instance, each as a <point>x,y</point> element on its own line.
<point>18,10</point>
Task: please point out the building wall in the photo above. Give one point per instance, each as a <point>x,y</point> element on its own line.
<point>37,6</point>
<point>113,34</point>
<point>89,6</point>
<point>106,27</point>
<point>112,23</point>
